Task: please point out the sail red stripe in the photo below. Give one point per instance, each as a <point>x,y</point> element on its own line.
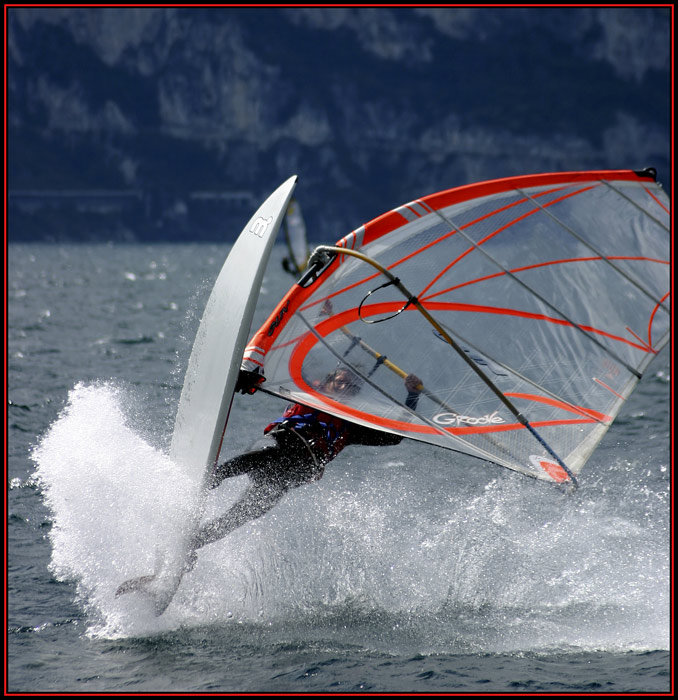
<point>544,264</point>
<point>659,202</point>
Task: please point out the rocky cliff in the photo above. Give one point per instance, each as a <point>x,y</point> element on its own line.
<point>170,123</point>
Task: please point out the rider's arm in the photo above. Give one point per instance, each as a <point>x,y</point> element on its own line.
<point>248,382</point>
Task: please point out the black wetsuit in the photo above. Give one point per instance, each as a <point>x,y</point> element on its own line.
<point>294,451</point>
<point>296,448</point>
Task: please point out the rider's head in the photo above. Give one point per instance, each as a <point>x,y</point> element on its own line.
<point>343,382</point>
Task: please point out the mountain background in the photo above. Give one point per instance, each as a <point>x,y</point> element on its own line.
<point>168,124</point>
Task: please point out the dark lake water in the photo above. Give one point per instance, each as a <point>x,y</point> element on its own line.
<point>406,568</point>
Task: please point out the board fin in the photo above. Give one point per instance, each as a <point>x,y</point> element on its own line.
<point>133,585</point>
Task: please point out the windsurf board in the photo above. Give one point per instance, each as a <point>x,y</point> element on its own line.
<point>210,381</point>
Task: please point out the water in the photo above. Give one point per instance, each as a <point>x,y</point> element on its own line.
<point>404,569</point>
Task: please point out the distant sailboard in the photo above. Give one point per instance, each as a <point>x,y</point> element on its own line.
<point>210,379</point>
<point>295,237</point>
<point>528,306</point>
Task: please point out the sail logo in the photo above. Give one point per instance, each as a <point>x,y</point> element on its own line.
<point>278,319</point>
<point>478,359</point>
<point>259,227</point>
<point>458,419</point>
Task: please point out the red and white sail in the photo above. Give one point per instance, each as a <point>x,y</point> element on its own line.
<point>554,286</point>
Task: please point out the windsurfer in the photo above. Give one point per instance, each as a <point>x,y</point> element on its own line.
<point>293,451</point>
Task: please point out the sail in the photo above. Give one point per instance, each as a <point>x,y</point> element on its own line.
<point>528,307</point>
<point>295,237</point>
